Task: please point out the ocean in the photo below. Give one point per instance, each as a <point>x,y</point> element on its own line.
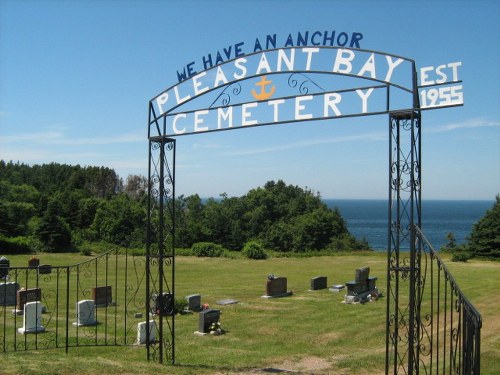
<point>368,219</point>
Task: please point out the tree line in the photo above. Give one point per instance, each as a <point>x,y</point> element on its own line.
<point>58,207</point>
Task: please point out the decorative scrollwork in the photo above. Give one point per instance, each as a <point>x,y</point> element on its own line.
<point>303,82</point>
<point>224,98</point>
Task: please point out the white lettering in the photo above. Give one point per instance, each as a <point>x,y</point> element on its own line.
<point>263,65</point>
<point>392,65</point>
<point>424,76</point>
<point>369,67</point>
<point>309,52</point>
<point>245,114</point>
<point>197,84</point>
<point>220,77</point>
<point>240,64</point>
<point>275,104</point>
<point>344,58</point>
<point>179,99</point>
<point>364,98</point>
<point>162,99</point>
<point>174,124</point>
<point>330,102</point>
<point>198,121</point>
<point>454,68</point>
<point>299,107</point>
<point>288,61</point>
<point>228,116</point>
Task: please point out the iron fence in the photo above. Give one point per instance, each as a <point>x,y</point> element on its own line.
<point>450,326</point>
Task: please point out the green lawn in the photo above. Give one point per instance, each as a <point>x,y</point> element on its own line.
<point>311,331</point>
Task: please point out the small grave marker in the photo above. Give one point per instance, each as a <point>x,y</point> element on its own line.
<point>276,287</point>
<point>318,282</point>
<point>194,302</point>
<point>142,334</point>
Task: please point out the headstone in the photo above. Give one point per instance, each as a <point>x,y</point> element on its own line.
<point>85,313</point>
<point>142,334</point>
<point>44,269</point>
<point>362,274</point>
<point>28,295</point>
<point>318,282</point>
<point>8,293</point>
<point>33,262</point>
<point>163,304</point>
<point>206,319</point>
<point>4,267</point>
<point>337,288</point>
<point>276,286</point>
<point>194,302</point>
<point>32,319</point>
<point>102,296</point>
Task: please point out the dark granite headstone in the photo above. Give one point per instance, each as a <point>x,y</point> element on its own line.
<point>276,286</point>
<point>362,274</point>
<point>163,304</point>
<point>207,318</point>
<point>28,295</point>
<point>102,296</point>
<point>318,282</point>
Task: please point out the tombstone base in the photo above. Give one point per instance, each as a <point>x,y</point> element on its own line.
<point>87,324</point>
<point>362,297</point>
<point>23,331</point>
<point>336,288</point>
<point>289,293</point>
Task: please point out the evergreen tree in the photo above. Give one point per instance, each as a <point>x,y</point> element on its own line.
<point>484,240</point>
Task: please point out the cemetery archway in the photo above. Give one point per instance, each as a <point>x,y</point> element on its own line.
<point>300,84</point>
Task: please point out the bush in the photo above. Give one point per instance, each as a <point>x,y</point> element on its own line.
<point>461,256</point>
<point>14,245</point>
<point>254,250</point>
<point>207,249</point>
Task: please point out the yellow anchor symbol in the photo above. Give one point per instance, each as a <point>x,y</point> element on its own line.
<point>263,95</point>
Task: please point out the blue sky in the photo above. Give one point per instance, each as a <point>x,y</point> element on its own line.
<point>76,78</point>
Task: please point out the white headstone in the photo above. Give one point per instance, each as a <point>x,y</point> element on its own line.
<point>85,313</point>
<point>32,319</point>
<point>141,332</point>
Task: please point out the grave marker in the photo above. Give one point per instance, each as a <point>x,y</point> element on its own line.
<point>32,319</point>
<point>85,313</point>
<point>102,296</point>
<point>318,282</point>
<point>8,293</point>
<point>141,332</point>
<point>206,319</point>
<point>28,295</point>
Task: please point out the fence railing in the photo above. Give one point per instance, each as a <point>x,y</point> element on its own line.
<point>94,303</point>
<point>450,326</point>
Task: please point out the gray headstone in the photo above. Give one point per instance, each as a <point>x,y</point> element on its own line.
<point>32,318</point>
<point>207,318</point>
<point>8,293</point>
<point>194,302</point>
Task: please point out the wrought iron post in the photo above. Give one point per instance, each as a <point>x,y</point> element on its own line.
<point>403,259</point>
<point>160,250</point>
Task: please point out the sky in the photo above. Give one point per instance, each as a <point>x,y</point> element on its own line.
<point>76,78</point>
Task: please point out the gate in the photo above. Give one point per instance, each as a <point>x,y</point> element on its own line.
<point>98,302</point>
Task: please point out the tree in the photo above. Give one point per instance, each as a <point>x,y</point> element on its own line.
<point>484,240</point>
<point>53,231</point>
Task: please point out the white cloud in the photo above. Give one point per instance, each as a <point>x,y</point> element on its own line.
<point>466,124</point>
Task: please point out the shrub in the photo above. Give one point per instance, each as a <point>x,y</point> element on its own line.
<point>254,250</point>
<point>14,245</point>
<point>207,249</point>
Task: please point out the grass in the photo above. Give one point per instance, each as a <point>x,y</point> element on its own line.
<point>311,331</point>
